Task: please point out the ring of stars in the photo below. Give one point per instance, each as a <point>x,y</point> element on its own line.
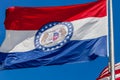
<point>60,44</point>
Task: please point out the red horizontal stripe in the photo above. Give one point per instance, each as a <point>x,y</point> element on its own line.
<point>107,75</point>
<point>106,70</point>
<point>33,18</point>
<point>117,78</point>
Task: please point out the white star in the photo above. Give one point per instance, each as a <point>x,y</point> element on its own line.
<point>50,25</point>
<point>52,48</point>
<point>69,32</point>
<point>46,27</point>
<point>54,24</point>
<point>65,41</point>
<point>61,44</point>
<point>70,26</point>
<point>57,47</point>
<point>37,45</point>
<point>66,23</point>
<point>40,47</point>
<point>48,50</point>
<point>42,29</point>
<point>39,33</point>
<point>37,40</point>
<point>43,49</point>
<point>68,37</point>
<point>70,29</point>
<point>37,37</point>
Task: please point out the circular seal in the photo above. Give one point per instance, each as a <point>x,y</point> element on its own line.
<point>53,35</point>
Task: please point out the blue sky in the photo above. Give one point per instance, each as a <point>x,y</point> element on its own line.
<point>79,71</point>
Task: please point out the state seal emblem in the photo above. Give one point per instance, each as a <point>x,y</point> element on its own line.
<point>53,35</point>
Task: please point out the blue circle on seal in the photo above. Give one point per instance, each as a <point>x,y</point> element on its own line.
<point>53,36</point>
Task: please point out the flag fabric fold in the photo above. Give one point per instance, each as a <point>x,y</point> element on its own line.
<point>42,36</point>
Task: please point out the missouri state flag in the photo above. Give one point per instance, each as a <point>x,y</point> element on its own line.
<point>43,36</point>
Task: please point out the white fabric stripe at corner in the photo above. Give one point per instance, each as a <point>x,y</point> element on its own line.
<point>108,77</point>
<point>117,66</point>
<point>87,28</point>
<point>106,71</point>
<point>117,75</point>
<point>18,41</point>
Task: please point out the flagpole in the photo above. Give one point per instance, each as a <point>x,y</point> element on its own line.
<point>112,62</point>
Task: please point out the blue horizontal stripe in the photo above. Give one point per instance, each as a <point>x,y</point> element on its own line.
<point>73,51</point>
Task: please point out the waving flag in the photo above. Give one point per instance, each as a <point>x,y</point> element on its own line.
<point>42,36</point>
<point>105,74</point>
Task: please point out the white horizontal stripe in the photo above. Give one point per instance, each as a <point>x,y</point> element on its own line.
<point>116,68</point>
<point>117,75</point>
<point>105,78</point>
<point>106,71</point>
<point>22,40</point>
<point>87,28</point>
<point>108,77</point>
<point>90,28</point>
